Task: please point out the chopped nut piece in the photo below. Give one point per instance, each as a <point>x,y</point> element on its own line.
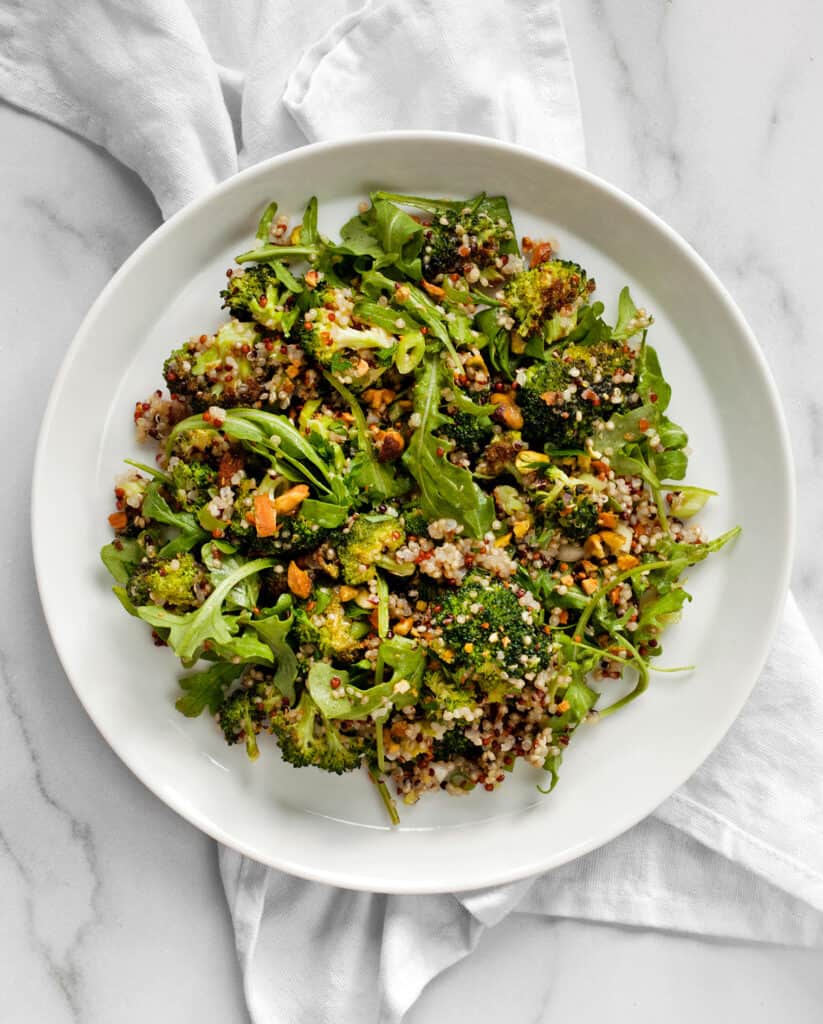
<point>391,446</point>
<point>299,580</point>
<point>607,519</point>
<point>286,503</point>
<point>588,586</point>
<point>614,541</point>
<point>593,547</point>
<point>521,528</point>
<point>509,415</point>
<point>627,562</point>
<point>403,627</point>
<point>347,593</point>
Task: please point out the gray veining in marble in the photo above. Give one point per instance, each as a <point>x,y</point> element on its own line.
<point>112,908</point>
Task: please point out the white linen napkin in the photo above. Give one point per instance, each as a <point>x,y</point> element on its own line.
<point>185,93</point>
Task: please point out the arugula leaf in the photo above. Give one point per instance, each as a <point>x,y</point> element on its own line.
<point>324,513</point>
<point>499,343</point>
<point>273,626</point>
<point>189,634</point>
<point>345,700</point>
<point>156,508</point>
<point>400,236</point>
<point>581,699</point>
<point>219,558</point>
<point>446,490</point>
<point>630,320</point>
<point>119,556</point>
<point>263,226</point>
<point>376,478</point>
<point>359,236</point>
<point>206,689</point>
<point>289,281</point>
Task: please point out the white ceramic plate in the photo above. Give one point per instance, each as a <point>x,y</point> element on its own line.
<point>334,829</point>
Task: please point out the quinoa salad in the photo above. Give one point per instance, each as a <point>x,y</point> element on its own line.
<point>415,507</point>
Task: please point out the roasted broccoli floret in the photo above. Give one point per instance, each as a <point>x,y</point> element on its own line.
<point>256,294</point>
<point>470,433</point>
<point>355,353</point>
<point>415,522</point>
<point>330,628</point>
<point>190,482</point>
<point>307,739</point>
<point>447,701</point>
<point>175,583</point>
<point>249,710</point>
<point>561,398</point>
<point>240,722</point>
<point>227,369</point>
<point>488,636</point>
<point>546,300</point>
<point>369,544</point>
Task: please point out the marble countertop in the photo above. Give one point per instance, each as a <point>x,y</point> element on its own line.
<point>113,908</point>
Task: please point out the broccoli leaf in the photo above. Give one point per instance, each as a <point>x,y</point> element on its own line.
<point>446,490</point>
<point>206,689</point>
<point>119,556</point>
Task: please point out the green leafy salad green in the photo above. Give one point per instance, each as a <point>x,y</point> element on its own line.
<point>416,505</point>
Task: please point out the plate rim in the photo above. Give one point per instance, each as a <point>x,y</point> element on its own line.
<point>412,885</point>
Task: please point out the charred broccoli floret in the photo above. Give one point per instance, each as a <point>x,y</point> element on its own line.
<point>174,583</point>
<point>307,739</point>
<point>368,545</point>
<point>470,433</point>
<point>577,520</point>
<point>487,634</point>
<point>227,369</point>
<point>561,398</point>
<point>256,293</point>
<point>330,628</point>
<point>355,353</point>
<point>453,744</point>
<point>546,300</point>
